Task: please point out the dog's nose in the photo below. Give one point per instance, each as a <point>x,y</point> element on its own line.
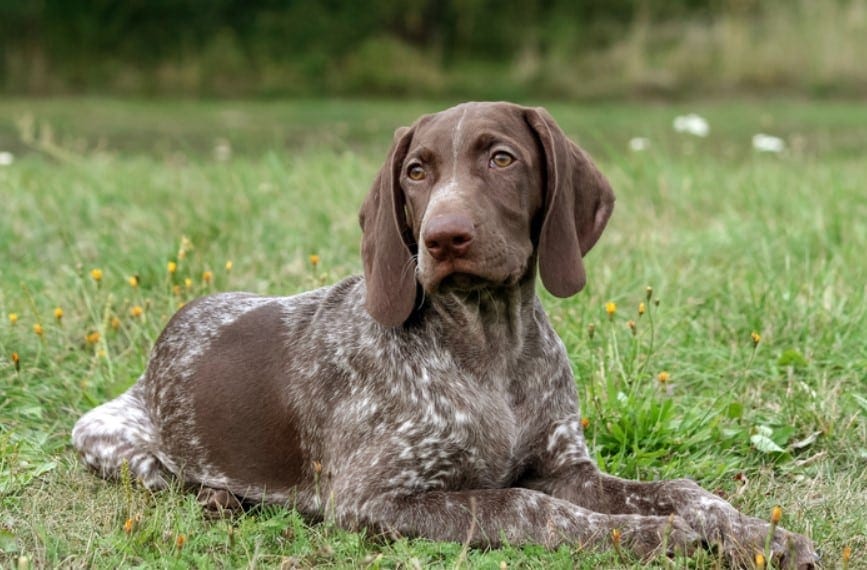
<point>448,236</point>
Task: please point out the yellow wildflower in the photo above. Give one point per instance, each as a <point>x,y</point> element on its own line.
<point>642,308</point>
<point>92,337</point>
<point>188,282</point>
<point>207,276</point>
<point>663,377</point>
<point>133,281</point>
<point>228,265</point>
<point>757,338</point>
<point>128,525</point>
<point>16,360</point>
<point>760,561</point>
<point>58,313</point>
<point>610,308</point>
<point>37,328</point>
<point>115,323</point>
<point>96,274</point>
<point>776,514</point>
<point>615,536</point>
<point>171,266</point>
<point>314,260</point>
<point>136,311</point>
<point>13,318</point>
<point>179,542</point>
<point>585,422</point>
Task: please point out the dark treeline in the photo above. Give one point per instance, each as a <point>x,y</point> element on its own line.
<point>78,45</point>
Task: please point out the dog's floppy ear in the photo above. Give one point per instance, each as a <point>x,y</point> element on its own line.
<point>578,202</point>
<point>389,266</point>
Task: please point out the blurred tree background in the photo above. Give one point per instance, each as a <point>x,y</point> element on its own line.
<point>427,48</point>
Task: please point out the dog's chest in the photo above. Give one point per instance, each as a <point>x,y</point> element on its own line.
<point>455,431</point>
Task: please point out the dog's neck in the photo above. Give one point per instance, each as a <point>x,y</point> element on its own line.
<point>485,326</point>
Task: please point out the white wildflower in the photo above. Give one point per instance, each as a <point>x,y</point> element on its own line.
<point>6,158</point>
<point>222,150</point>
<point>637,144</point>
<point>692,124</point>
<point>768,143</point>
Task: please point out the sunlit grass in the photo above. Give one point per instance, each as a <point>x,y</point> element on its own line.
<point>721,335</point>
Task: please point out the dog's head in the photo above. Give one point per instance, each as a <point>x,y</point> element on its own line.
<point>469,197</point>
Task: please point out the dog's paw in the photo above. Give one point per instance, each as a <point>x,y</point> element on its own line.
<point>651,536</point>
<point>788,550</point>
<point>218,502</point>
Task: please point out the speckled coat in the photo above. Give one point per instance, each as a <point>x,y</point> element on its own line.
<point>431,397</point>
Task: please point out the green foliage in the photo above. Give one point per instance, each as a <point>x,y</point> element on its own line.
<point>463,48</point>
<point>732,243</point>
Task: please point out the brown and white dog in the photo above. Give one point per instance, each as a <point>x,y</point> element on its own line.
<point>431,397</point>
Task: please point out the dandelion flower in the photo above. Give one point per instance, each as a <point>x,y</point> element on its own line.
<point>207,276</point>
<point>115,323</point>
<point>760,561</point>
<point>96,274</point>
<point>16,360</point>
<point>663,377</point>
<point>585,422</point>
<point>314,260</point>
<point>37,328</point>
<point>642,308</point>
<point>136,311</point>
<point>128,525</point>
<point>776,514</point>
<point>92,337</point>
<point>228,266</point>
<point>171,266</point>
<point>610,308</point>
<point>757,338</point>
<point>58,313</point>
<point>188,283</point>
<point>133,281</point>
<point>13,318</point>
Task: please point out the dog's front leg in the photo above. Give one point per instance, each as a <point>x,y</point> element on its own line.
<point>566,472</point>
<point>487,517</point>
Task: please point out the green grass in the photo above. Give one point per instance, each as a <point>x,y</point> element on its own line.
<point>731,241</point>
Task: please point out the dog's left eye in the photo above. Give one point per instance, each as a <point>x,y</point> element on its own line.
<point>501,159</point>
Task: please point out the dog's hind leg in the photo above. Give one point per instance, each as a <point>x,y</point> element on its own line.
<point>117,432</point>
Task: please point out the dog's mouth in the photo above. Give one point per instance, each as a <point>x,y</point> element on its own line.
<point>459,278</point>
<point>465,282</point>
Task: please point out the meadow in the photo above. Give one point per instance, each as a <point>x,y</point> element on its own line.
<point>722,335</point>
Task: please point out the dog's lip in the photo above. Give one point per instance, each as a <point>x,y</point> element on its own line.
<point>460,275</point>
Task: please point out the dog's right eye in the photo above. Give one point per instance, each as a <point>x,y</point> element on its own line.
<point>416,172</point>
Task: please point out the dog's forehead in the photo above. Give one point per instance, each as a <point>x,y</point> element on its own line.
<point>456,125</point>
